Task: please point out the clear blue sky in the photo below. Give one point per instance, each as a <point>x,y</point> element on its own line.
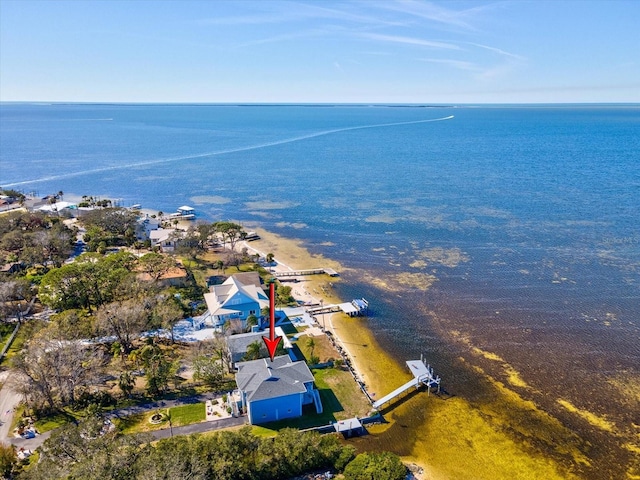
<point>320,51</point>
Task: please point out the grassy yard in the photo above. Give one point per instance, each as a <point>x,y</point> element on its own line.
<point>351,400</point>
<point>16,346</point>
<point>187,414</point>
<point>180,415</point>
<point>323,348</point>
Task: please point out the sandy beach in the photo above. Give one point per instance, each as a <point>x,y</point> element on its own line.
<point>290,255</point>
<point>445,438</point>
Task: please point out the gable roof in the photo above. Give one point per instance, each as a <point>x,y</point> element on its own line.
<point>225,298</point>
<point>263,379</point>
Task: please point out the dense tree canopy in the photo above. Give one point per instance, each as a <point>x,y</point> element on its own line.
<point>34,238</point>
<point>89,282</point>
<point>376,466</point>
<point>82,452</point>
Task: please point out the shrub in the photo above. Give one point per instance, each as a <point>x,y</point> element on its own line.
<point>381,466</point>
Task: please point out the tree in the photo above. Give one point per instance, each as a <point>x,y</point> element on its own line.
<point>8,460</point>
<point>73,324</point>
<point>219,265</point>
<point>231,232</point>
<point>283,295</point>
<point>173,458</point>
<point>125,320</point>
<point>89,282</point>
<point>126,382</point>
<point>156,265</point>
<point>12,294</point>
<point>252,321</point>
<point>208,369</point>
<point>166,313</point>
<point>232,259</point>
<point>270,258</point>
<point>157,368</point>
<point>51,370</point>
<point>86,451</point>
<point>311,345</point>
<point>111,225</point>
<point>187,243</point>
<point>254,351</point>
<point>378,466</point>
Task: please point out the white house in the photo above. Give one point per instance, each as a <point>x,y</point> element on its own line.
<point>236,299</point>
<point>165,238</point>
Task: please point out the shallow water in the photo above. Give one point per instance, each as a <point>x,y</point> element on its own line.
<point>502,243</point>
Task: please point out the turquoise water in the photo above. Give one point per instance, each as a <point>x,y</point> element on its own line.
<point>525,218</point>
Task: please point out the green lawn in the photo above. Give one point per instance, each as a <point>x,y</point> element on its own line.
<point>180,415</point>
<point>187,414</point>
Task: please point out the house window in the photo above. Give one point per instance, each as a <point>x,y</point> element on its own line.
<point>252,312</point>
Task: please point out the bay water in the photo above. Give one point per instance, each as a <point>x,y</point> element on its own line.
<point>505,235</point>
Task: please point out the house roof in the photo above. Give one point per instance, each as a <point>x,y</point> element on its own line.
<point>238,344</point>
<point>56,207</point>
<point>161,234</point>
<point>263,379</point>
<point>233,293</point>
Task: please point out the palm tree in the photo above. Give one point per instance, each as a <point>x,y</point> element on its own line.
<point>253,351</point>
<point>126,382</point>
<point>311,345</point>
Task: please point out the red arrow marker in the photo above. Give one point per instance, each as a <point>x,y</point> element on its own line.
<point>272,341</point>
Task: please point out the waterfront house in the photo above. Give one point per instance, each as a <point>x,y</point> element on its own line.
<point>236,299</point>
<point>165,238</point>
<point>271,391</point>
<point>237,345</point>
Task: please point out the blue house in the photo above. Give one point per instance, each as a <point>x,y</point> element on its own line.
<point>275,390</point>
<point>236,299</point>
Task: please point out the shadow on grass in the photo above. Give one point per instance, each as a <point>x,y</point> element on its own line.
<point>310,418</point>
<point>55,420</point>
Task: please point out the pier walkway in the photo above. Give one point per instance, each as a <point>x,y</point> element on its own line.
<point>311,271</point>
<point>422,375</point>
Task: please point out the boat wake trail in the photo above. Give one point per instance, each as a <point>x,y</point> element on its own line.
<point>218,152</point>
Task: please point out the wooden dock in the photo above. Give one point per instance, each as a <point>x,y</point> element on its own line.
<point>422,375</point>
<point>355,308</point>
<point>310,271</point>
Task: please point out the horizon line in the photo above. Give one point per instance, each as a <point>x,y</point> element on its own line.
<point>285,104</point>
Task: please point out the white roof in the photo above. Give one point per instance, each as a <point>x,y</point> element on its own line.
<point>219,300</point>
<point>56,207</point>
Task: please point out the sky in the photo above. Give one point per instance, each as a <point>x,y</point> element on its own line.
<point>322,51</point>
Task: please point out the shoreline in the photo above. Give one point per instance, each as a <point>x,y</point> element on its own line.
<point>446,439</point>
<point>452,439</point>
<point>316,284</point>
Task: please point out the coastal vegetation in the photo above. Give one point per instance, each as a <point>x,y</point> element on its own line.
<point>86,451</point>
<point>94,280</point>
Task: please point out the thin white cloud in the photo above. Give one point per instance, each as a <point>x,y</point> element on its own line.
<point>409,41</point>
<point>461,19</point>
<point>459,64</point>
<point>497,50</point>
<point>291,12</point>
<point>285,37</point>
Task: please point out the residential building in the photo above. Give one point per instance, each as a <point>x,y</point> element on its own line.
<point>275,390</point>
<point>236,299</point>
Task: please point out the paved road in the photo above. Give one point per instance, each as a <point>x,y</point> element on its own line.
<point>8,401</point>
<point>199,427</point>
